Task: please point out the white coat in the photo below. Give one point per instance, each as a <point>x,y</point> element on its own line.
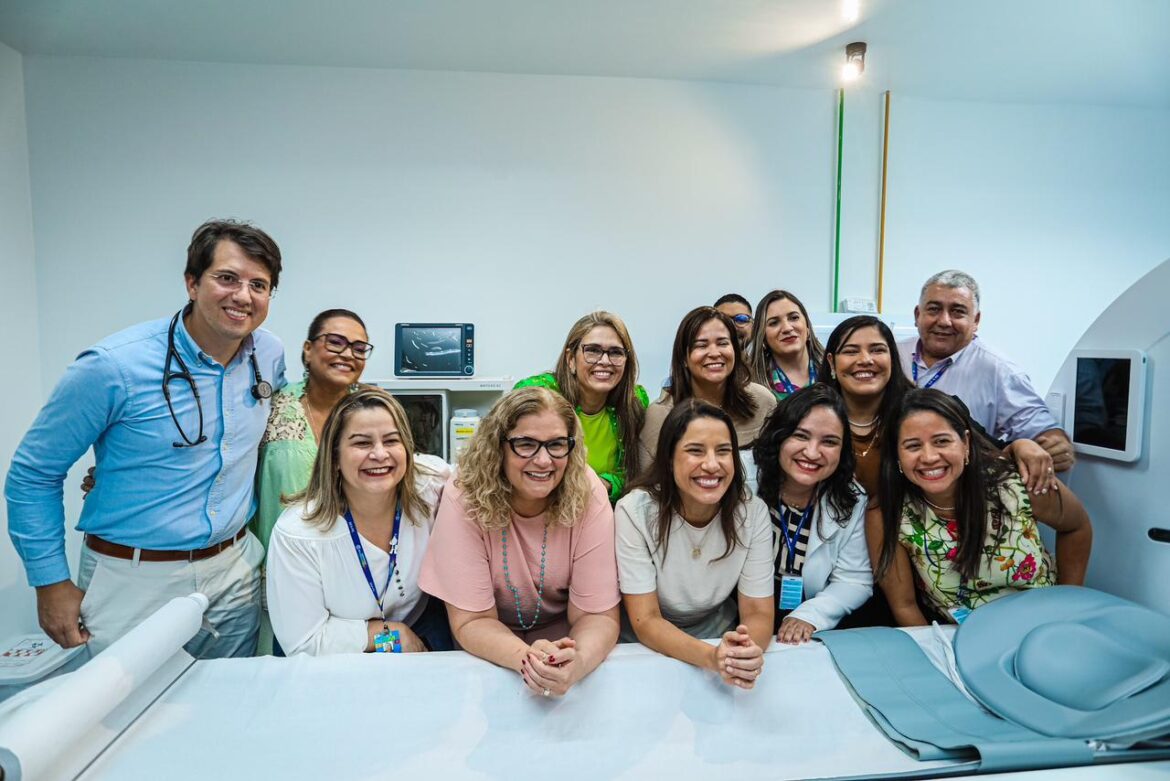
<point>836,572</point>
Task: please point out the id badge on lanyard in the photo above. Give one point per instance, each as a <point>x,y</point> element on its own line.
<point>387,641</point>
<point>960,611</point>
<point>791,591</point>
<point>791,584</point>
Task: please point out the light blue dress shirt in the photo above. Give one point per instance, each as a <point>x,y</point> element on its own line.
<point>996,391</point>
<point>149,494</point>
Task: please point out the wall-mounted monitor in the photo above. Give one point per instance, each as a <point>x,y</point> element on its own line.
<point>1109,403</point>
<point>434,349</point>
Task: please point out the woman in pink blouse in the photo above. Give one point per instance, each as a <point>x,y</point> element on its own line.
<point>523,546</point>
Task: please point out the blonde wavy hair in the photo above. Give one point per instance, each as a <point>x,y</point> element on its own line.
<point>630,412</point>
<point>324,497</point>
<point>486,491</point>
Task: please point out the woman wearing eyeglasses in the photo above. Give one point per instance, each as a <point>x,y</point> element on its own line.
<point>343,560</point>
<point>334,355</point>
<point>523,546</point>
<point>597,372</point>
<point>784,350</point>
<point>707,364</point>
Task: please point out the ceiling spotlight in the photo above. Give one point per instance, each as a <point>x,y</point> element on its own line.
<point>854,61</point>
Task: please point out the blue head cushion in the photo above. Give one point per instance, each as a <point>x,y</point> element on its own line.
<point>1070,662</point>
<point>1056,661</point>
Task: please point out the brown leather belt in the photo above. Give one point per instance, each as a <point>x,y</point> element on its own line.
<point>107,548</point>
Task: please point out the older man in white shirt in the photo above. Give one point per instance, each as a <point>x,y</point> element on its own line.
<point>948,355</point>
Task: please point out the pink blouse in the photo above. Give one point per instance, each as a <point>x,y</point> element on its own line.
<point>464,564</point>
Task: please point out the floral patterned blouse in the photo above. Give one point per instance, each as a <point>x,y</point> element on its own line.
<point>1014,556</point>
<point>287,453</point>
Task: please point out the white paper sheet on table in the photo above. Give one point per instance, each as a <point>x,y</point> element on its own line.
<point>640,715</point>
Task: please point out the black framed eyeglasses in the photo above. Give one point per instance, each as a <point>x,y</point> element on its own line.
<point>527,447</point>
<point>593,353</point>
<point>336,343</point>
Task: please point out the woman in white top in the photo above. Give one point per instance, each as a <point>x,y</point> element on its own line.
<point>695,550</point>
<point>343,560</point>
<point>805,462</point>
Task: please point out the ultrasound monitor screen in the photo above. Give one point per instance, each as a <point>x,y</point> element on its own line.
<point>1100,415</point>
<point>432,350</point>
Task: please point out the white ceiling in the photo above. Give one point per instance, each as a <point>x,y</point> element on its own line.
<point>1060,51</point>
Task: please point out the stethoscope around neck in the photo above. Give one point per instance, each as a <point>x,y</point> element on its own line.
<point>261,388</point>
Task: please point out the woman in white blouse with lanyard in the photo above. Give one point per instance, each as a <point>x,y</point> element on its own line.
<point>805,463</point>
<point>343,560</point>
<point>694,550</point>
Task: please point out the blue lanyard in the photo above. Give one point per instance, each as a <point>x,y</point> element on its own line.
<point>361,554</point>
<point>786,385</point>
<point>942,369</point>
<point>791,540</point>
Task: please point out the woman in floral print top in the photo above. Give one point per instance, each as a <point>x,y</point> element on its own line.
<point>956,524</point>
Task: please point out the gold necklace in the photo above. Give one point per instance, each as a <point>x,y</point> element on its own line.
<point>313,417</point>
<point>874,437</point>
<point>697,547</point>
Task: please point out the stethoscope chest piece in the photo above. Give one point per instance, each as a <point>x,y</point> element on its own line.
<point>262,390</point>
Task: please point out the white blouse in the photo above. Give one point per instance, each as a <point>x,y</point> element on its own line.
<point>318,597</point>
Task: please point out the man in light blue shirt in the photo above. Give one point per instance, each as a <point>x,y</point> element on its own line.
<point>948,356</point>
<point>174,410</point>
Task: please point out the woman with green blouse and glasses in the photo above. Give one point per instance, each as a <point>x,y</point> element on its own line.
<point>334,355</point>
<point>597,372</point>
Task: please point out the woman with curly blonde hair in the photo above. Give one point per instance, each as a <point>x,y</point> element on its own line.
<point>523,546</point>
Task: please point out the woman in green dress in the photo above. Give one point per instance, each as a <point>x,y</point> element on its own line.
<point>597,372</point>
<point>334,356</point>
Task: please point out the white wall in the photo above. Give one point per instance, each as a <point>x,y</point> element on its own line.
<point>517,203</point>
<point>520,202</point>
<point>20,391</point>
<point>1056,210</point>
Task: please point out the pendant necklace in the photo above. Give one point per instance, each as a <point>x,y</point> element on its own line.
<point>875,435</point>
<point>696,546</point>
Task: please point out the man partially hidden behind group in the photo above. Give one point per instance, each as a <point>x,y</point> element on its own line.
<point>174,410</point>
<point>948,355</point>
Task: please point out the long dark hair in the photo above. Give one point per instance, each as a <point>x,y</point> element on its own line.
<point>736,399</point>
<point>898,385</point>
<point>976,490</point>
<point>658,479</point>
<point>839,489</point>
